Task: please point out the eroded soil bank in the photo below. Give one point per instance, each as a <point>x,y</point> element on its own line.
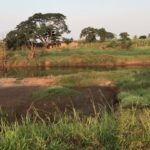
<point>16,99</point>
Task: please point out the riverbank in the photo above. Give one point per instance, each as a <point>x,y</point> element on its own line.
<point>31,122</point>
<point>96,105</point>
<point>78,58</point>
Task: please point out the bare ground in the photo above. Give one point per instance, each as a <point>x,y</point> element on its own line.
<point>16,97</point>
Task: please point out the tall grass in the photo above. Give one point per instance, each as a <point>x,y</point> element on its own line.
<point>141,42</point>
<point>84,55</point>
<point>126,129</point>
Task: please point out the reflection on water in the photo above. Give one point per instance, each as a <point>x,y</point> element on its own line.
<point>40,72</point>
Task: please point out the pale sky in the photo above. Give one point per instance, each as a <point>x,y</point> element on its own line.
<point>132,16</point>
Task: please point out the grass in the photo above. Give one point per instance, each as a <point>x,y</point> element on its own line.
<point>138,98</point>
<point>54,92</point>
<point>128,129</point>
<point>80,56</point>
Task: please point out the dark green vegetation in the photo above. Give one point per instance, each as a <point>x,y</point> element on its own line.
<point>43,27</point>
<point>90,34</point>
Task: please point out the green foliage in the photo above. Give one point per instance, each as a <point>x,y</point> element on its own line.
<point>102,33</point>
<point>112,44</point>
<point>65,133</point>
<point>43,27</point>
<point>143,37</point>
<point>138,98</point>
<point>67,40</point>
<point>89,34</point>
<point>134,129</point>
<point>124,36</point>
<point>126,44</point>
<point>54,92</point>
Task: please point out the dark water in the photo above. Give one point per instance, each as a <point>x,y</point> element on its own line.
<point>41,72</point>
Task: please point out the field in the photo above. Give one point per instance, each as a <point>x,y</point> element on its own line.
<point>83,107</point>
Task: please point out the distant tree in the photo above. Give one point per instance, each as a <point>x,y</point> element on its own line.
<point>124,36</point>
<point>110,35</point>
<point>126,42</point>
<point>13,41</point>
<point>67,40</point>
<point>102,33</point>
<point>143,37</point>
<point>89,34</point>
<point>149,35</point>
<point>46,28</point>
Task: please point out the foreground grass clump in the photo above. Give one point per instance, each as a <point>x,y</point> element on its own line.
<point>54,92</point>
<point>138,98</point>
<point>126,129</point>
<point>134,129</point>
<point>135,89</point>
<point>66,134</point>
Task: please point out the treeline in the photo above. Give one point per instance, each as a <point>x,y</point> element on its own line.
<point>91,34</point>
<point>46,30</point>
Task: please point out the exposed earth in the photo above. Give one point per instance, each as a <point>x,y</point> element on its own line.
<point>16,97</point>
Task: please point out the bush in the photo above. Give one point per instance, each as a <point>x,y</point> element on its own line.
<point>126,44</point>
<point>112,44</point>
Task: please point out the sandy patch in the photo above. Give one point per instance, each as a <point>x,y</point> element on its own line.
<point>12,82</point>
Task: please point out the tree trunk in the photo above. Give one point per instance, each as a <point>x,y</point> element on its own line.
<point>32,54</point>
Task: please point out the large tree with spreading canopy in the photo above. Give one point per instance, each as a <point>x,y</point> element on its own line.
<point>44,28</point>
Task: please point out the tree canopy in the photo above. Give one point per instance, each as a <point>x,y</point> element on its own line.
<point>124,36</point>
<point>44,28</point>
<point>90,34</point>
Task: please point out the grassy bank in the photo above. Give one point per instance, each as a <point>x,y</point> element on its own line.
<point>80,57</point>
<point>133,84</point>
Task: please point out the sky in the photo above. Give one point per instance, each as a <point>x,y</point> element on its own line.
<point>132,16</point>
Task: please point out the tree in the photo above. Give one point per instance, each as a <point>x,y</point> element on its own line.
<point>89,34</point>
<point>124,36</point>
<point>102,33</point>
<point>126,43</point>
<point>44,28</point>
<point>110,35</point>
<point>143,37</point>
<point>67,40</point>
